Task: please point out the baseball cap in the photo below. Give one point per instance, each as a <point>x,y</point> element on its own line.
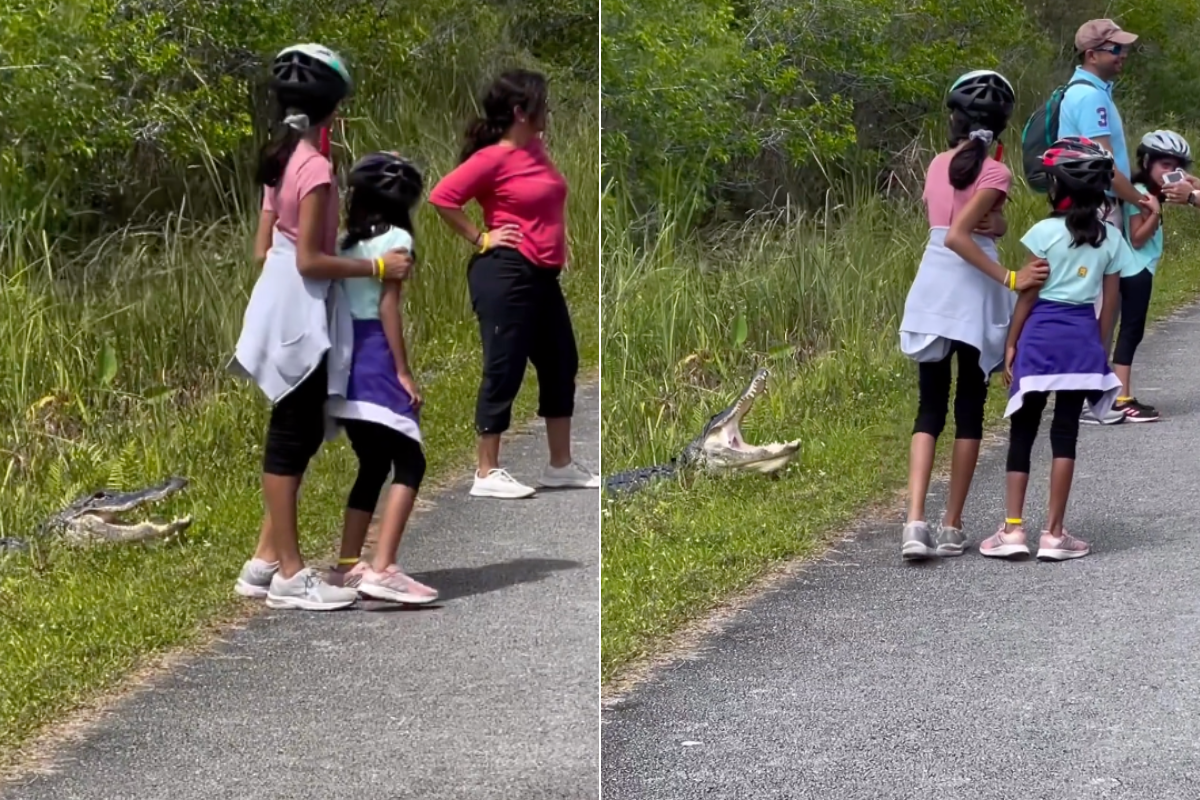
<point>1098,32</point>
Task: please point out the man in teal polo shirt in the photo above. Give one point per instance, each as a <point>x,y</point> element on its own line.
<point>1088,110</point>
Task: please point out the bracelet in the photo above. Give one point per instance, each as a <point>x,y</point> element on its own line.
<point>483,245</point>
<point>379,268</point>
<point>1011,280</point>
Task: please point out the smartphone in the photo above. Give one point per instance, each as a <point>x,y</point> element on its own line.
<point>1177,176</point>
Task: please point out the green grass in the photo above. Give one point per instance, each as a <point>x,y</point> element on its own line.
<point>821,304</point>
<point>115,376</point>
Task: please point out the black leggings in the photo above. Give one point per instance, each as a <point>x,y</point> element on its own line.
<point>523,318</point>
<point>970,394</point>
<point>1135,303</point>
<point>297,426</point>
<point>382,450</point>
<point>1064,428</point>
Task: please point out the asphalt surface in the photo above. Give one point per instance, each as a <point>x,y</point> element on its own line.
<point>971,678</point>
<point>492,694</point>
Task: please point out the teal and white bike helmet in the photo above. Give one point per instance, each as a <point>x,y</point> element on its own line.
<point>310,71</point>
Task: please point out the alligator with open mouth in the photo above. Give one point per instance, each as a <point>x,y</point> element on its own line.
<point>720,447</point>
<point>98,518</point>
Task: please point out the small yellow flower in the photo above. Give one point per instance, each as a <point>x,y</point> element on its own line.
<point>1083,272</point>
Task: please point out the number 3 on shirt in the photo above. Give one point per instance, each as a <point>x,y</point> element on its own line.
<point>1102,115</point>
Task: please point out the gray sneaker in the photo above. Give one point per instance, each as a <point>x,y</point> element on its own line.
<point>950,541</point>
<point>1113,417</point>
<point>916,542</point>
<point>255,579</point>
<point>307,590</point>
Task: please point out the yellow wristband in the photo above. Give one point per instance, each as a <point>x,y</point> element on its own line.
<point>379,268</point>
<point>1016,521</point>
<point>1012,281</point>
<point>483,241</point>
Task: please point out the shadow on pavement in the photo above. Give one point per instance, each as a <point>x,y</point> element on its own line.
<point>459,582</point>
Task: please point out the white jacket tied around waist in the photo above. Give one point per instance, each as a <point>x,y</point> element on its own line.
<point>952,301</point>
<point>290,323</point>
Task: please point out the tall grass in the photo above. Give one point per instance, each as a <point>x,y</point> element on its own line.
<point>115,355</point>
<point>818,301</point>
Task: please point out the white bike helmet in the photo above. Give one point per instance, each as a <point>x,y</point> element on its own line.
<point>1164,143</point>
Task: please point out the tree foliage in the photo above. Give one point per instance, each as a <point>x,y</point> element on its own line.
<point>733,92</point>
<point>101,102</point>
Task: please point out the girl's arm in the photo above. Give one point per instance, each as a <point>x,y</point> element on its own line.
<point>1108,311</point>
<point>959,240</point>
<point>467,182</point>
<point>393,325</point>
<point>262,239</point>
<point>313,263</point>
<point>1025,303</point>
<point>1141,227</point>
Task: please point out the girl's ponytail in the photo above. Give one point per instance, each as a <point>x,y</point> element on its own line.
<point>274,156</point>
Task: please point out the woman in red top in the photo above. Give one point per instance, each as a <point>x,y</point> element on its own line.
<point>514,277</point>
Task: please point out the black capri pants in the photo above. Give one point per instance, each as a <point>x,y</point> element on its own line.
<point>297,426</point>
<point>1135,305</point>
<point>523,318</point>
<point>1064,428</point>
<point>970,394</point>
<point>382,451</point>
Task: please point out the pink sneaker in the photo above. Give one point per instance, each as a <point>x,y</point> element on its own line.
<point>1060,548</point>
<point>349,578</point>
<point>1004,545</point>
<point>395,586</point>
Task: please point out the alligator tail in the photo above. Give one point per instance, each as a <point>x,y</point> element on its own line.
<point>634,479</point>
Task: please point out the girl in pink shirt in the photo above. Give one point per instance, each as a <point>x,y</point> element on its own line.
<point>960,303</point>
<point>286,336</point>
<point>514,277</point>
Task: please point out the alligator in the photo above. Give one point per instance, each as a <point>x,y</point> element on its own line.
<point>720,447</point>
<point>97,518</point>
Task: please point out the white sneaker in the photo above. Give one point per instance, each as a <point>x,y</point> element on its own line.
<point>307,590</point>
<point>572,476</point>
<point>499,483</point>
<point>255,578</point>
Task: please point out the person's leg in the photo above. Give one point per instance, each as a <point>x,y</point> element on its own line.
<point>384,580</point>
<point>933,404</point>
<point>502,294</point>
<point>555,357</point>
<point>1056,544</point>
<point>1009,538</point>
<point>970,398</point>
<point>1135,305</point>
<point>374,464</point>
<point>291,441</point>
<point>294,437</point>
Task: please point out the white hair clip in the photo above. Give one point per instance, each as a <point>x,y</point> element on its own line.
<point>984,136</point>
<point>297,122</point>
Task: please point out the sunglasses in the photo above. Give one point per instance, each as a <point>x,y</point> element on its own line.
<point>1114,50</point>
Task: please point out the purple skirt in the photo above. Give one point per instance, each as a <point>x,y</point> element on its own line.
<point>374,393</point>
<point>1060,350</point>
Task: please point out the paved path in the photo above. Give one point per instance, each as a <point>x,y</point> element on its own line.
<point>491,695</point>
<point>970,679</point>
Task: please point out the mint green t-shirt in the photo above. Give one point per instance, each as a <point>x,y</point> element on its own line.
<point>1147,256</point>
<point>1076,273</point>
<point>363,293</point>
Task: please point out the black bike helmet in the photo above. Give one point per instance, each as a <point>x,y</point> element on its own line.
<point>388,175</point>
<point>984,95</point>
<point>1079,164</point>
<point>310,72</point>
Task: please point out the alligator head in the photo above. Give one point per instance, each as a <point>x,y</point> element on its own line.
<point>720,446</point>
<point>98,517</point>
